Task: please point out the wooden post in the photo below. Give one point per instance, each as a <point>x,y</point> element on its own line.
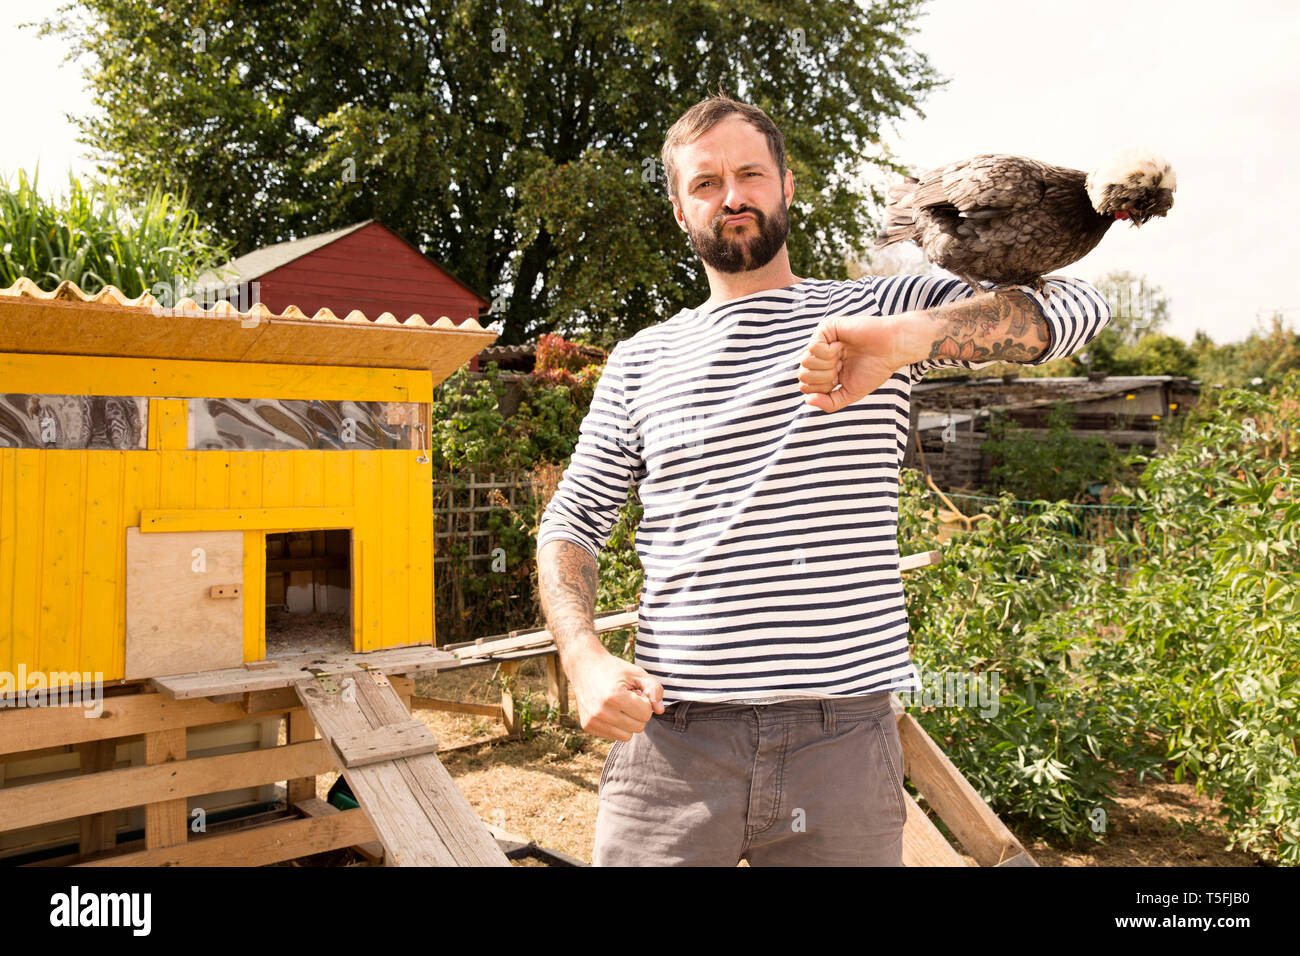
<point>166,823</point>
<point>98,830</point>
<point>557,684</point>
<point>508,670</point>
<point>300,729</point>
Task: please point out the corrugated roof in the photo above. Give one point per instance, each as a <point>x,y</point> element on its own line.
<point>70,321</point>
<point>269,258</point>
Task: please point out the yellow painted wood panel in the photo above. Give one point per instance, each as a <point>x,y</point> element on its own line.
<point>309,477</point>
<point>62,510</point>
<point>369,532</point>
<point>64,515</point>
<point>243,519</point>
<point>420,550</point>
<point>278,489</point>
<point>8,558</point>
<point>173,417</point>
<point>103,601</point>
<point>100,375</point>
<point>245,480</point>
<point>395,565</point>
<point>212,479</point>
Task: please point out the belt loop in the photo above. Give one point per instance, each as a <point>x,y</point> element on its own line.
<point>828,716</point>
<point>679,715</point>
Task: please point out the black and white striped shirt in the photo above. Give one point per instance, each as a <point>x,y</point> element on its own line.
<point>769,536</point>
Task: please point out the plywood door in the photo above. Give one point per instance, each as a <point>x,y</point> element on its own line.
<point>174,624</point>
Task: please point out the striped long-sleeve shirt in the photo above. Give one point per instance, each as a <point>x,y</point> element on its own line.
<point>769,533</point>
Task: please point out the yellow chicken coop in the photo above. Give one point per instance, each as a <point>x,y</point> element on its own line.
<point>213,518</point>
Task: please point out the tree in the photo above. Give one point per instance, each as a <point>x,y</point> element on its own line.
<point>1266,354</point>
<point>517,142</point>
<point>1156,355</point>
<point>1138,306</point>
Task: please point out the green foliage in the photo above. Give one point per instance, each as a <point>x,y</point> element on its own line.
<point>1268,354</point>
<point>1013,599</point>
<point>1155,355</point>
<point>1216,611</point>
<point>94,237</point>
<point>469,429</point>
<point>1189,664</point>
<point>518,143</point>
<point>1055,466</point>
<point>469,432</point>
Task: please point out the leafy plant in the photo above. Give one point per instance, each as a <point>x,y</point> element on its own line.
<point>93,236</point>
<point>1055,466</point>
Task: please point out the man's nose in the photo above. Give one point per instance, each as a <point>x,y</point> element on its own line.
<point>734,199</point>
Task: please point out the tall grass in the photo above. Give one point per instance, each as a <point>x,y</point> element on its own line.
<point>95,236</point>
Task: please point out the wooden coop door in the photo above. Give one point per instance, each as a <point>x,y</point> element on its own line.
<point>184,602</point>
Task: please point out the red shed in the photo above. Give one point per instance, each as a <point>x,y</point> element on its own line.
<point>365,267</point>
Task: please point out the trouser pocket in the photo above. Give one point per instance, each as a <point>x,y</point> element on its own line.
<point>609,763</point>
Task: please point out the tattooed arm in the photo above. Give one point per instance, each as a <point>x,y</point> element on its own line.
<point>927,322</point>
<point>1002,326</point>
<point>566,573</point>
<point>615,698</point>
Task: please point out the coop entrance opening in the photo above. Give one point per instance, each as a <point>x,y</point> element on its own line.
<point>309,592</point>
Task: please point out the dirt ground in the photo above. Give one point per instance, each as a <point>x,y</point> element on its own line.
<point>544,788</point>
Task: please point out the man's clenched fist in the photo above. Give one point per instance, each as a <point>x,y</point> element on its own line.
<point>615,698</point>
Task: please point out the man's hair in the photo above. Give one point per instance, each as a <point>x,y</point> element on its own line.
<point>705,115</point>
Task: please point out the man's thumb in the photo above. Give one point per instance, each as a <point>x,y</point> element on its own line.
<point>653,690</point>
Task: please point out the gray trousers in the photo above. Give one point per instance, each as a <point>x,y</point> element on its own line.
<point>798,783</point>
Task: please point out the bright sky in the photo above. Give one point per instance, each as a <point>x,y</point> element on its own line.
<point>1212,87</point>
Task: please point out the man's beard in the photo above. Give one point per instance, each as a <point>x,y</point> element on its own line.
<point>736,252</point>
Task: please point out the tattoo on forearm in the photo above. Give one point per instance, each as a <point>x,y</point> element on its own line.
<point>567,579</point>
<point>1001,326</point>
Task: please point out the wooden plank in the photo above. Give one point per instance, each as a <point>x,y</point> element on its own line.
<point>409,738</point>
<point>444,805</point>
<point>922,559</point>
<point>29,324</point>
<point>172,625</point>
<point>372,850</point>
<point>516,640</point>
<point>257,846</point>
<point>957,803</point>
<point>55,374</point>
<point>165,822</point>
<point>36,803</point>
<point>456,706</point>
<point>123,715</point>
<point>923,844</point>
<point>287,671</point>
<point>417,812</point>
<point>243,519</point>
<point>132,846</point>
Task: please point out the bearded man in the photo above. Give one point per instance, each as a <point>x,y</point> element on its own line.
<point>764,430</point>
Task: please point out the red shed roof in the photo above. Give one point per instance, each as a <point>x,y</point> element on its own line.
<point>366,266</point>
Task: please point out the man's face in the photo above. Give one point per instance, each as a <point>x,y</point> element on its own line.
<point>726,173</point>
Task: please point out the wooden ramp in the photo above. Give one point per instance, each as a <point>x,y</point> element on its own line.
<point>389,761</point>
